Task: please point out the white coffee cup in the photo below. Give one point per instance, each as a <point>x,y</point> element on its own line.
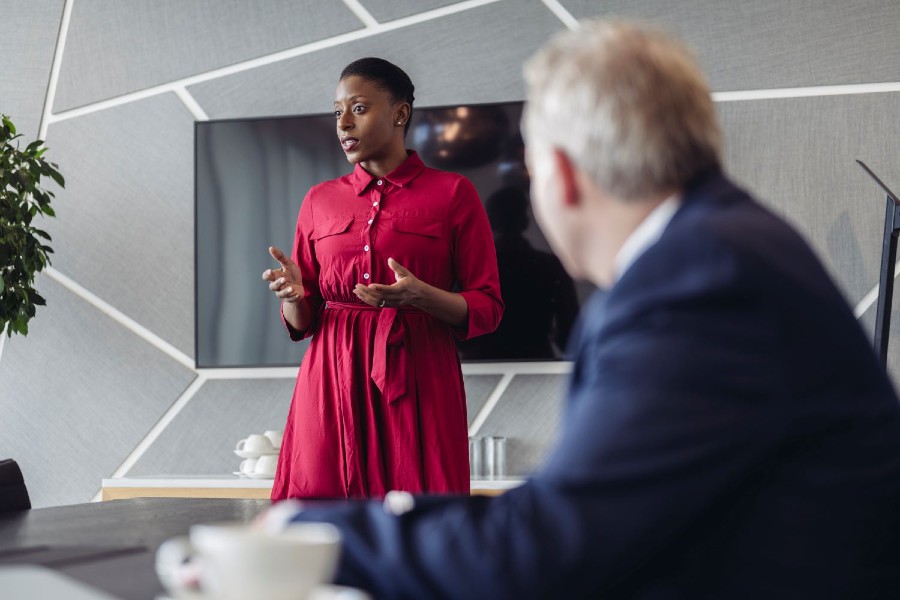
<point>265,465</point>
<point>274,437</point>
<point>255,442</point>
<point>236,561</point>
<point>248,465</point>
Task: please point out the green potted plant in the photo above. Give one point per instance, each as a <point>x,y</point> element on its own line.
<point>24,249</point>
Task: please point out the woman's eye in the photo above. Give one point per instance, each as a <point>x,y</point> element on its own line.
<point>337,114</point>
<point>359,109</point>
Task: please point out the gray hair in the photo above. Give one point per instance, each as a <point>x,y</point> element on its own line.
<point>628,105</point>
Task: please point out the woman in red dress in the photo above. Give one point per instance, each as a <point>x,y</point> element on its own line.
<point>379,403</point>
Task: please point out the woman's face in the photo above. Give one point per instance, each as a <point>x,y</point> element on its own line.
<point>367,120</point>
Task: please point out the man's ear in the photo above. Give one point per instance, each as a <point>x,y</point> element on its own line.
<point>568,178</point>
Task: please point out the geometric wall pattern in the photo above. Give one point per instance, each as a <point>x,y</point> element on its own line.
<point>104,385</point>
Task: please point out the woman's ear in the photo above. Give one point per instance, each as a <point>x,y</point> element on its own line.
<point>401,114</point>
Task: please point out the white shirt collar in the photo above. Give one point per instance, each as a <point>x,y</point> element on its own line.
<point>646,234</point>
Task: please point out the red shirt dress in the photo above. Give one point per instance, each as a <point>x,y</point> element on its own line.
<point>379,403</point>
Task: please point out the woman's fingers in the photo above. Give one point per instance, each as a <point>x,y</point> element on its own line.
<point>277,284</point>
<point>286,293</point>
<point>288,266</point>
<point>399,270</point>
<point>288,270</point>
<point>277,254</point>
<point>366,295</point>
<point>286,281</point>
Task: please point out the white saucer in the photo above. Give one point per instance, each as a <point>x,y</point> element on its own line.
<point>239,474</point>
<point>261,476</point>
<point>255,453</point>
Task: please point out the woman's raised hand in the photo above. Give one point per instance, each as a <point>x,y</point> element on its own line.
<point>406,290</point>
<point>286,281</point>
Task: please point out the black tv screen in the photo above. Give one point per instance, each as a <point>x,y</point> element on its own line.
<point>252,174</point>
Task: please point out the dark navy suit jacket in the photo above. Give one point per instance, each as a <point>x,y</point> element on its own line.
<point>728,434</point>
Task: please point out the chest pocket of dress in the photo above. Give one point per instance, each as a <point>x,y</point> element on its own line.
<point>420,242</point>
<point>334,247</point>
<point>419,225</point>
<point>331,227</point>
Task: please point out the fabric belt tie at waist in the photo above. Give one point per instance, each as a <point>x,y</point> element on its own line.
<point>390,349</point>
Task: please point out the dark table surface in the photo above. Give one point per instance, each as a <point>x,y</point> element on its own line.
<point>130,531</point>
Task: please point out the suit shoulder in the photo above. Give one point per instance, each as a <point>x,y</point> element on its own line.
<point>724,218</point>
<point>723,244</point>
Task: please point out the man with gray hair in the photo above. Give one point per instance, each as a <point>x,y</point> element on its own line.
<point>728,431</point>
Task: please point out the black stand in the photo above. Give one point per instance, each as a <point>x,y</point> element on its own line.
<point>888,258</point>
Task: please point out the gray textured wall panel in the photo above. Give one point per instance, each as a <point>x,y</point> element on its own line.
<point>528,414</point>
<point>798,155</point>
<point>26,55</point>
<point>772,44</point>
<point>478,389</point>
<point>118,47</point>
<point>77,395</point>
<point>202,437</point>
<point>472,56</point>
<point>388,10</point>
<point>124,227</point>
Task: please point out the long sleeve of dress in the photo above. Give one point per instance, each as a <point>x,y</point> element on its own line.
<point>475,262</point>
<point>304,254</point>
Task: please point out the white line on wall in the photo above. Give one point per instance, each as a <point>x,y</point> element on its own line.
<point>361,13</point>
<point>251,373</point>
<point>46,115</point>
<point>486,368</point>
<point>489,405</point>
<point>562,14</point>
<point>269,59</point>
<point>869,299</point>
<point>806,92</point>
<point>191,103</point>
<point>156,430</point>
<point>121,318</point>
<point>518,368</point>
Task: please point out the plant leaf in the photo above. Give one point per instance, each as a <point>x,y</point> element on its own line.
<point>58,178</point>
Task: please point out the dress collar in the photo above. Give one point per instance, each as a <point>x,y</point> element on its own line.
<point>402,175</point>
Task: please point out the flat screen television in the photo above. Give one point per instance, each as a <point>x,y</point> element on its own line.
<point>252,174</point>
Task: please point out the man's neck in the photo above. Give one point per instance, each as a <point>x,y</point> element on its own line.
<point>647,232</point>
<point>614,222</point>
